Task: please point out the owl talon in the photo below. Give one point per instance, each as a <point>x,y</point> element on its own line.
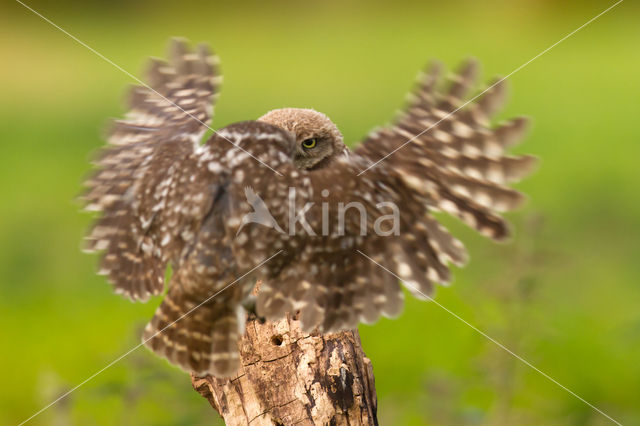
<point>249,305</point>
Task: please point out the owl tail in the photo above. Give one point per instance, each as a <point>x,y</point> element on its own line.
<point>196,336</point>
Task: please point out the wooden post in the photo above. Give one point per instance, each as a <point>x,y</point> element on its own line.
<point>290,377</point>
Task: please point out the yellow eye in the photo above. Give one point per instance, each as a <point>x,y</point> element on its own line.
<point>309,143</point>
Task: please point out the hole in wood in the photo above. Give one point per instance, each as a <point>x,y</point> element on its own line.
<point>276,340</point>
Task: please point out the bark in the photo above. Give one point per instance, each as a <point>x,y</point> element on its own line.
<point>290,377</point>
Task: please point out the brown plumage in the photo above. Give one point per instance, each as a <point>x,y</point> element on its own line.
<point>166,199</point>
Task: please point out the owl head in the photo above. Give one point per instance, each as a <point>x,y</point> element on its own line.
<point>318,140</point>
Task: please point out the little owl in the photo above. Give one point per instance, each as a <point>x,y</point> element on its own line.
<point>168,200</point>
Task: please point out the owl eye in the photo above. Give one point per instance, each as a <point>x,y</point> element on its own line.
<point>309,143</point>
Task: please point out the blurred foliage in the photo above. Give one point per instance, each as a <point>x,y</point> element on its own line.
<point>563,294</point>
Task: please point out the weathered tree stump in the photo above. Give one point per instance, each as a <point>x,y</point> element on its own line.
<point>290,377</point>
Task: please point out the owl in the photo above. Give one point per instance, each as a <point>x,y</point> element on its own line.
<point>270,200</point>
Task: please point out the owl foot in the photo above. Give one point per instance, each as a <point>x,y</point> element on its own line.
<point>249,305</point>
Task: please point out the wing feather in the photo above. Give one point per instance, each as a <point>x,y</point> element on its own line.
<point>149,153</point>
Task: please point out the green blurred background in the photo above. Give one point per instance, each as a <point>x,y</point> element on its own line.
<point>564,294</point>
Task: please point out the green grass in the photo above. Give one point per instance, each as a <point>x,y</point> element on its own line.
<point>563,294</point>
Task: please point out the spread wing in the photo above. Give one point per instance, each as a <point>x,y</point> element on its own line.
<point>149,154</point>
<point>453,138</point>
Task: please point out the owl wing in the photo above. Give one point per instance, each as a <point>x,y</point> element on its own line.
<point>444,143</point>
<point>456,138</point>
<point>149,152</point>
